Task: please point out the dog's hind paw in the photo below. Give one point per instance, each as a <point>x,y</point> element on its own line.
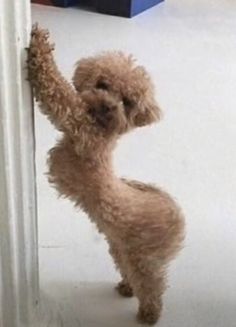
<point>124,289</point>
<point>149,315</point>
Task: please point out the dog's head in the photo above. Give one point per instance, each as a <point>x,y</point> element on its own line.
<point>119,95</point>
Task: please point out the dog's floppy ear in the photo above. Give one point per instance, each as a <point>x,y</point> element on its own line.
<point>84,69</point>
<point>148,114</point>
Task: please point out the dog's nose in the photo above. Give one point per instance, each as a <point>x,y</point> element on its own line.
<point>104,110</point>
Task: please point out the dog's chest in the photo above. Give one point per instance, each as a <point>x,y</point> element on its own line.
<point>82,184</point>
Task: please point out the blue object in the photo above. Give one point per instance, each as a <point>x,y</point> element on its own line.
<point>125,8</point>
<point>138,6</point>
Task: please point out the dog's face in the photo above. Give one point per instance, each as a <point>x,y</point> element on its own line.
<point>118,94</point>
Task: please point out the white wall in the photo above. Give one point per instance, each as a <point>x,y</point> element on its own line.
<point>202,3</point>
<point>199,7</point>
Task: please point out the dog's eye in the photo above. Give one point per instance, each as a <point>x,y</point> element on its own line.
<point>127,102</point>
<point>101,85</point>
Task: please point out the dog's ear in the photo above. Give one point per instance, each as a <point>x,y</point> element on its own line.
<point>83,71</point>
<point>148,114</point>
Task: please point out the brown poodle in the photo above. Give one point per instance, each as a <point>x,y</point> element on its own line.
<point>111,96</point>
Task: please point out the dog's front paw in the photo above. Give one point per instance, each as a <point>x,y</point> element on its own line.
<point>40,40</point>
<point>39,48</point>
<point>39,53</point>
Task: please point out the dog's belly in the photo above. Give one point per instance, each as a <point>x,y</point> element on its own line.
<point>126,211</point>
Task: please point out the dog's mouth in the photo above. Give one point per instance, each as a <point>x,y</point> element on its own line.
<point>103,116</point>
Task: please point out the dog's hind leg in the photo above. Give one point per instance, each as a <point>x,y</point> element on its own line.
<point>123,287</point>
<point>148,281</point>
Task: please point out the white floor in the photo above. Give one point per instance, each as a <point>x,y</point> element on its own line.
<point>190,50</point>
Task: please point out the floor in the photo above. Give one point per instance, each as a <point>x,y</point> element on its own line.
<point>189,48</point>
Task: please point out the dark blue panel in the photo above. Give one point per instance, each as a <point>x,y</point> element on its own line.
<point>138,6</point>
<point>125,8</point>
<point>118,8</point>
<point>64,3</point>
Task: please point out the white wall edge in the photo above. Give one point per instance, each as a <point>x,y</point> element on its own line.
<point>18,223</point>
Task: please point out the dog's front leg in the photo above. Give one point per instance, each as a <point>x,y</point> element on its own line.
<point>58,100</point>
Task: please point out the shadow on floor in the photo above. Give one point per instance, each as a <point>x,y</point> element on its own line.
<point>88,305</point>
<point>98,305</point>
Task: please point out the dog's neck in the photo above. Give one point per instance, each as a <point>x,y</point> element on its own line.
<point>96,170</point>
<point>90,172</point>
<point>95,159</point>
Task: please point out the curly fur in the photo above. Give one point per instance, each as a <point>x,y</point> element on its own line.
<point>111,96</point>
